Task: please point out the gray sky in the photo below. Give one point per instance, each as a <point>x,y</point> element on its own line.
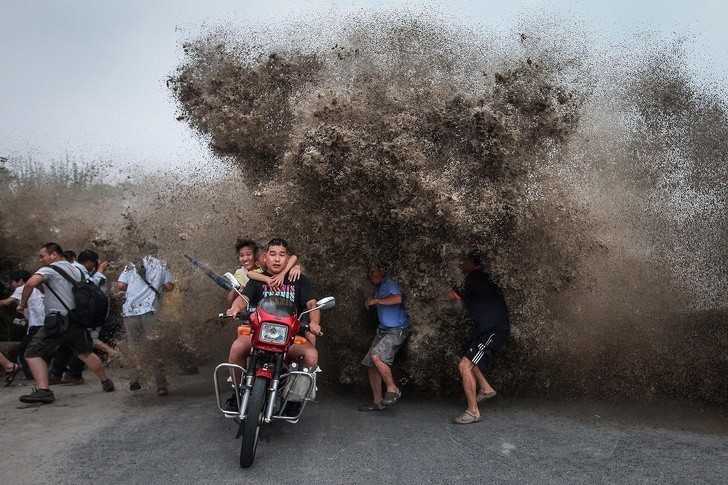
<point>87,77</point>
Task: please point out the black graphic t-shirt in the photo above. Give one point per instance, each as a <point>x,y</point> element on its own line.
<point>298,292</point>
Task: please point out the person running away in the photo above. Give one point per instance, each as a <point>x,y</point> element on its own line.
<point>58,329</point>
<point>490,327</point>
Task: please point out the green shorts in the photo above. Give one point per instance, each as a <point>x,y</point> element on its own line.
<point>77,338</point>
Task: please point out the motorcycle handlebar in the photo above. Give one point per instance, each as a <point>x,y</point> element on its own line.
<point>245,316</point>
<point>305,328</point>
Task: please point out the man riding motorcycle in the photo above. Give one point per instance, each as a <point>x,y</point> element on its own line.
<point>299,293</point>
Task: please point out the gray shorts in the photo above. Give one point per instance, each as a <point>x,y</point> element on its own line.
<point>385,345</point>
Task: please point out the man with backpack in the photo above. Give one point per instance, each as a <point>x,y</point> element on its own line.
<point>65,368</point>
<point>69,307</point>
<point>143,282</point>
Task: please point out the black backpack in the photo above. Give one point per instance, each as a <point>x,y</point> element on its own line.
<point>92,304</point>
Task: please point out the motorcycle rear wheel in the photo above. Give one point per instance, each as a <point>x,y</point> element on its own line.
<point>253,421</point>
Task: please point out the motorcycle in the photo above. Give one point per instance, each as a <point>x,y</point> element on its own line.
<point>269,388</point>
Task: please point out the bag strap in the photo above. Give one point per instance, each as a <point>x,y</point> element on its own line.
<point>48,285</point>
<point>156,292</point>
<point>66,276</point>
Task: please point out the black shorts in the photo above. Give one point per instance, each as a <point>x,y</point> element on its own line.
<point>111,331</point>
<point>481,349</point>
<point>77,338</point>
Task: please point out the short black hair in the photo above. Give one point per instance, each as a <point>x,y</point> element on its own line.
<point>20,275</point>
<point>475,257</point>
<point>277,241</point>
<point>52,247</point>
<point>376,266</point>
<point>88,255</point>
<point>246,243</point>
<point>69,255</point>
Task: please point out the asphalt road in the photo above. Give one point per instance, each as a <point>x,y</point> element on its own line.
<point>91,437</point>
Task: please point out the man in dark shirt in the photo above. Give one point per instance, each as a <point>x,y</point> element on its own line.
<point>488,313</point>
<point>299,293</point>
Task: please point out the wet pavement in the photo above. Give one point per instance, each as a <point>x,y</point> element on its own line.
<point>91,437</point>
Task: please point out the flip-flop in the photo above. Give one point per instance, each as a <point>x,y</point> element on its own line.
<point>372,407</point>
<point>391,398</point>
<point>486,395</point>
<point>467,418</point>
<point>10,375</point>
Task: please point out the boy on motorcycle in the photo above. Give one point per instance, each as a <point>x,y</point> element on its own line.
<point>298,291</point>
<point>252,269</point>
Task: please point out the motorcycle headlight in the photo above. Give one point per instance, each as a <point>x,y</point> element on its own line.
<point>273,333</point>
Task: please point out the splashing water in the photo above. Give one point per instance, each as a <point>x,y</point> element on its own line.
<point>595,186</point>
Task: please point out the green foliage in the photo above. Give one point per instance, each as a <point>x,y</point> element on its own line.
<point>28,173</point>
<point>48,202</point>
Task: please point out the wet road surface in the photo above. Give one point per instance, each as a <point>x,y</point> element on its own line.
<point>92,437</point>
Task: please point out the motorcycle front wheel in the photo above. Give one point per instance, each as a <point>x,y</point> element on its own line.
<point>253,421</point>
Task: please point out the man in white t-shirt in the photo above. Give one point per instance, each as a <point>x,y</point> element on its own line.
<point>58,301</point>
<point>144,283</point>
<point>34,314</point>
<point>65,368</point>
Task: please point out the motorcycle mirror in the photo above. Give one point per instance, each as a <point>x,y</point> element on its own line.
<point>232,280</point>
<point>326,303</point>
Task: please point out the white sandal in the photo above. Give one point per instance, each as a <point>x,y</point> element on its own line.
<point>482,396</point>
<point>467,418</point>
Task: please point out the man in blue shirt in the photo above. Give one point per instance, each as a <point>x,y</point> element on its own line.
<point>391,334</point>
